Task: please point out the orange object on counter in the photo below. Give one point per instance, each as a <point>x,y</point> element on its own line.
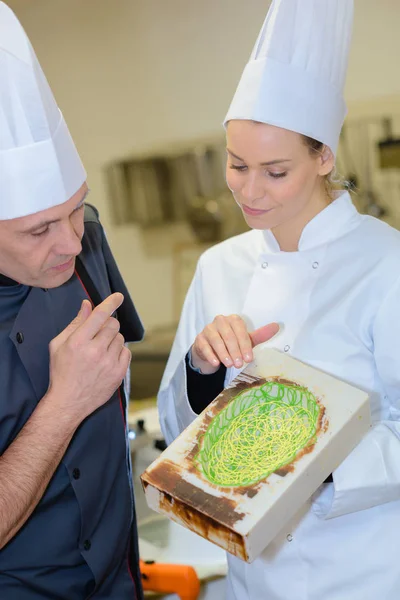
<point>170,579</point>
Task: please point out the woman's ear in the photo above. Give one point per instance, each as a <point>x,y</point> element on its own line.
<point>327,161</point>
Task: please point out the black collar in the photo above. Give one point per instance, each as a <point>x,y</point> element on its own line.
<point>7,281</point>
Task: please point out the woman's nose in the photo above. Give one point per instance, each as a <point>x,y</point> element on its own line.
<point>252,189</point>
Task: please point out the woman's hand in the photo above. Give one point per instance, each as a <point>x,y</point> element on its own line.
<point>226,340</point>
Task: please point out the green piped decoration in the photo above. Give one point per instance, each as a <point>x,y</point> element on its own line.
<point>260,431</point>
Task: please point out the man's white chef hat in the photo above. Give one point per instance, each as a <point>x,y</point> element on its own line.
<point>296,73</point>
<point>39,164</point>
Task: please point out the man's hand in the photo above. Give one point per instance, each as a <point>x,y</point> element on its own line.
<point>88,360</point>
<point>226,340</point>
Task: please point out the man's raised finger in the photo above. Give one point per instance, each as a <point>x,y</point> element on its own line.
<point>100,315</point>
<point>107,334</point>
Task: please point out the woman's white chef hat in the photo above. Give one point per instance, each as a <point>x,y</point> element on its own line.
<point>296,74</point>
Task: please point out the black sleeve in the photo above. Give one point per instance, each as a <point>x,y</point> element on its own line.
<point>202,389</point>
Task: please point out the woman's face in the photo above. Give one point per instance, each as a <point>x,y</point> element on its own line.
<point>273,176</point>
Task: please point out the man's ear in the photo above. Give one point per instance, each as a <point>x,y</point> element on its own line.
<point>327,161</point>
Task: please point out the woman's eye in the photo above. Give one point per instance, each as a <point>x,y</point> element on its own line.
<point>278,175</point>
<point>40,233</point>
<point>238,167</point>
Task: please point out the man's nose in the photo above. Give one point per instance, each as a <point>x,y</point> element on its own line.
<point>69,242</point>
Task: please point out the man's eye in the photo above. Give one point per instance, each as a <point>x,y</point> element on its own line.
<point>40,233</point>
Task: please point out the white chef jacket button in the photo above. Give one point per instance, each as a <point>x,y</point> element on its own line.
<point>315,265</point>
<point>286,348</point>
<point>289,537</point>
<point>264,265</point>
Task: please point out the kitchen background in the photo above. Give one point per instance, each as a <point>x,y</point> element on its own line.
<point>144,86</point>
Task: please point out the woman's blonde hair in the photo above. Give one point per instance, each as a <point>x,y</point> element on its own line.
<point>333,181</point>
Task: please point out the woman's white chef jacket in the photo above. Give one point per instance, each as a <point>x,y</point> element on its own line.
<point>338,300</point>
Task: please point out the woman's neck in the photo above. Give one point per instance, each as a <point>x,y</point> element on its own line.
<point>288,234</point>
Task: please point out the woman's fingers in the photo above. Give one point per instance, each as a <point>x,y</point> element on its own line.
<point>263,334</point>
<point>243,339</point>
<point>201,349</point>
<point>227,341</point>
<point>216,343</point>
<point>228,349</point>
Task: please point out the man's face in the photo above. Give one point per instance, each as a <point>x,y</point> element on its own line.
<point>40,250</point>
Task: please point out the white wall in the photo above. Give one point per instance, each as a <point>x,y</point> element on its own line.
<point>132,75</point>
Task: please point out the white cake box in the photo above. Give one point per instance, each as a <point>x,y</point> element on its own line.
<point>257,453</point>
